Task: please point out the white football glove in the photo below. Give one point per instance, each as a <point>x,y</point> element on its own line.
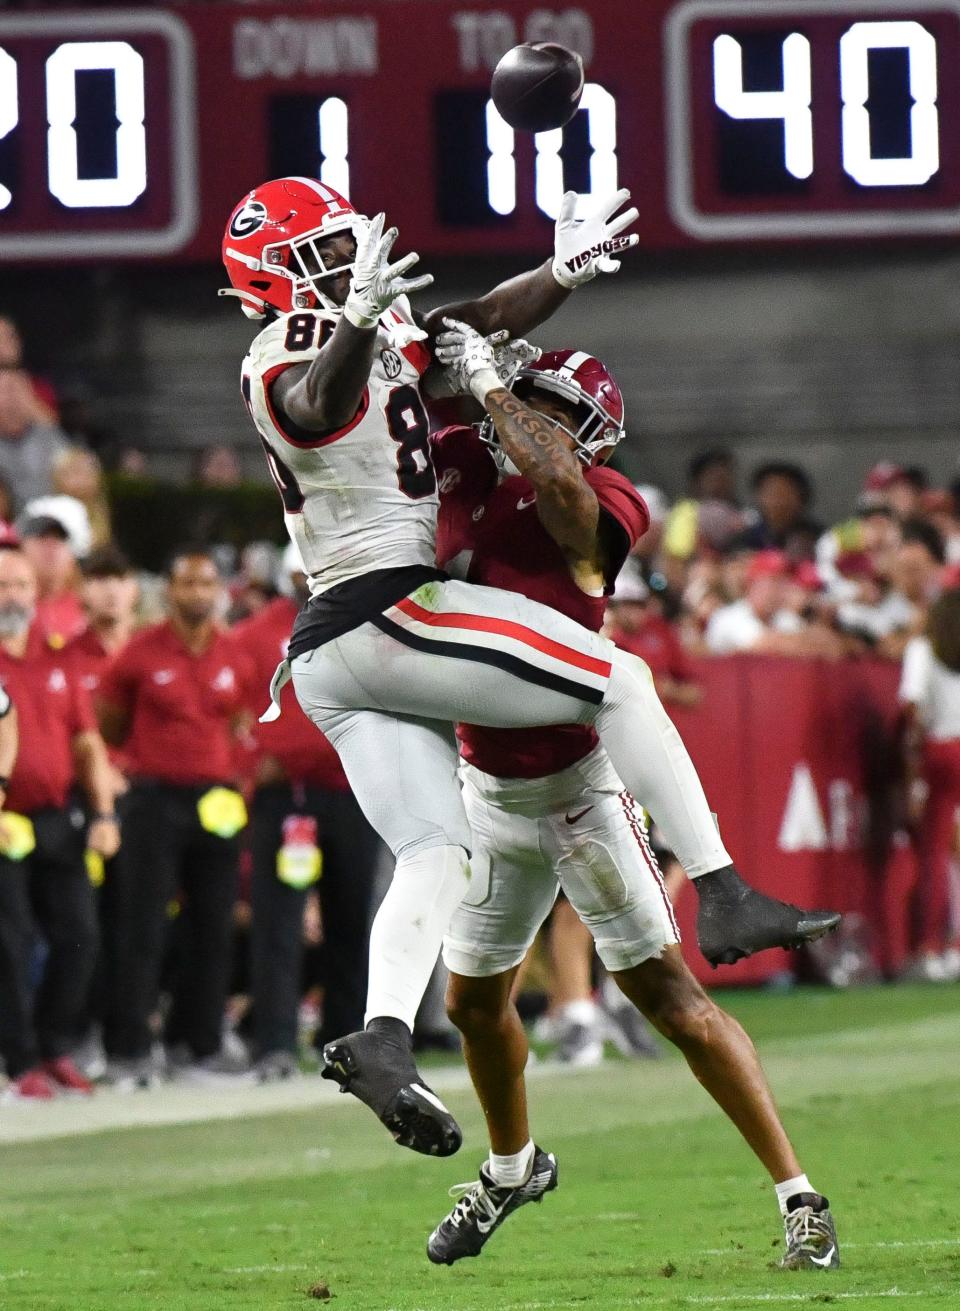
<point>376,283</point>
<point>469,360</point>
<point>508,356</point>
<point>511,355</point>
<point>582,248</point>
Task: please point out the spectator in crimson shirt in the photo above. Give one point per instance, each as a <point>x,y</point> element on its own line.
<point>301,800</point>
<point>634,623</point>
<point>46,540</point>
<point>108,593</point>
<point>43,878</point>
<point>172,700</point>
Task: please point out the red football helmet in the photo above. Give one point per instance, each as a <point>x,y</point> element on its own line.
<point>269,245</point>
<point>586,382</point>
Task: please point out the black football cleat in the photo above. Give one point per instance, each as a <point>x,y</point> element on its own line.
<point>735,921</point>
<point>483,1207</point>
<point>811,1235</point>
<point>378,1068</point>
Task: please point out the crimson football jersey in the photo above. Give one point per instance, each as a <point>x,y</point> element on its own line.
<point>488,531</point>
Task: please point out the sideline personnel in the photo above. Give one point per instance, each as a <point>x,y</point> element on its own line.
<point>43,877</point>
<point>172,700</point>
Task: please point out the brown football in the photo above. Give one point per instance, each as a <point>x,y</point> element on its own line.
<point>536,87</point>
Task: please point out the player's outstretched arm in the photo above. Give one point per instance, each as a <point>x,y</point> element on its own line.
<point>566,503</point>
<point>583,247</point>
<point>328,392</point>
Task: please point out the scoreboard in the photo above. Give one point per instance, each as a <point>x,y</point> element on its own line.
<point>132,133</point>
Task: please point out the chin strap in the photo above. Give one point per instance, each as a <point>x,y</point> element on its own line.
<point>252,306</point>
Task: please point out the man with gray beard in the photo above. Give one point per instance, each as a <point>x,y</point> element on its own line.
<point>43,879</point>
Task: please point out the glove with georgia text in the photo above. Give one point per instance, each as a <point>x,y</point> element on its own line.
<point>469,360</point>
<point>582,248</point>
<point>376,283</point>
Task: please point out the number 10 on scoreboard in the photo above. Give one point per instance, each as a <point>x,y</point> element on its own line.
<point>792,103</point>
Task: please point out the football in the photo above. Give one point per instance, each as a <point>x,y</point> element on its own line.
<point>536,87</point>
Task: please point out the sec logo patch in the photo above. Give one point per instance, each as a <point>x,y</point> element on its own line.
<point>392,363</point>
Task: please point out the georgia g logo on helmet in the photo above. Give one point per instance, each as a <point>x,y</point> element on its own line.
<point>249,218</point>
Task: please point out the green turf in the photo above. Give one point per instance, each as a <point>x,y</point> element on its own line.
<point>659,1204</point>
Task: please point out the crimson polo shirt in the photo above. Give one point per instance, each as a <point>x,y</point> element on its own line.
<point>658,644</point>
<point>293,740</point>
<point>52,708</point>
<point>88,659</point>
<point>180,704</point>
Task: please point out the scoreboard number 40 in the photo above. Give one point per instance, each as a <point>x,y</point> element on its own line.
<point>792,104</point>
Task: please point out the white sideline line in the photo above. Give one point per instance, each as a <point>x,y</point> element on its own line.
<point>15,1274</point>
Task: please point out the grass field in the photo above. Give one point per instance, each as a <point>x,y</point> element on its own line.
<point>659,1204</point>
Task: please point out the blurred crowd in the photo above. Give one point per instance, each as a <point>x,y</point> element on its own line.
<point>764,575</point>
<point>187,892</point>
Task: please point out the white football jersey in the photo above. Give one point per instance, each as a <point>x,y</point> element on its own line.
<point>365,496</point>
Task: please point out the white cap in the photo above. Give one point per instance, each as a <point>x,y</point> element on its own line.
<point>69,512</point>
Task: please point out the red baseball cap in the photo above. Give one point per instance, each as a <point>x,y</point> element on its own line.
<point>769,564</point>
<point>882,476</point>
<point>856,564</point>
<point>807,576</point>
<point>950,577</point>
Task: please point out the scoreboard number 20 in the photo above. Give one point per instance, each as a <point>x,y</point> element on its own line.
<point>69,130</point>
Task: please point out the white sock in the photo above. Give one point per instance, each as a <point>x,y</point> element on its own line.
<point>649,755</point>
<point>408,929</point>
<point>790,1187</point>
<point>582,1011</point>
<point>511,1171</point>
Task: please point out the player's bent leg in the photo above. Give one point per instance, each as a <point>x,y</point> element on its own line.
<point>510,895</point>
<point>425,825</point>
<point>724,1060</point>
<point>512,890</point>
<point>733,919</point>
<point>717,1049</point>
<point>495,1049</point>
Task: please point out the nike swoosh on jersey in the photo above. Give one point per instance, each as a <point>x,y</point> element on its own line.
<point>524,503</point>
<point>823,1260</point>
<point>572,819</point>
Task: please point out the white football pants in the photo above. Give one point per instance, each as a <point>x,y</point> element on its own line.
<point>577,830</point>
<point>386,693</point>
